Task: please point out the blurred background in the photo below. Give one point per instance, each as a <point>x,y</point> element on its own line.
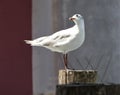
<point>25,70</point>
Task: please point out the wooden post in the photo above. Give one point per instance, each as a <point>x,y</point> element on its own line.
<point>76,76</point>
<point>82,82</point>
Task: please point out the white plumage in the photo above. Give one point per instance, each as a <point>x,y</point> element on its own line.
<point>63,41</point>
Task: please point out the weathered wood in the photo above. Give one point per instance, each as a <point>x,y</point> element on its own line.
<point>87,89</point>
<point>76,76</point>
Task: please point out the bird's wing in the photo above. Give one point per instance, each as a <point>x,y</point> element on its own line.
<point>63,38</point>
<point>58,37</point>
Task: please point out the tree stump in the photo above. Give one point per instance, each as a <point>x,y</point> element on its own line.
<point>76,76</point>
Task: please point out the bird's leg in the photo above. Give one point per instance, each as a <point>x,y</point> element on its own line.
<point>65,61</point>
<point>66,64</point>
<point>66,67</point>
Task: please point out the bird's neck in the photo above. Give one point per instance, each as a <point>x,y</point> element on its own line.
<point>80,25</point>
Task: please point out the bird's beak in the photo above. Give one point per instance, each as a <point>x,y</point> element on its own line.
<point>71,18</point>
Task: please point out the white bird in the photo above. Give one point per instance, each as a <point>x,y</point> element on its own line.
<point>63,41</point>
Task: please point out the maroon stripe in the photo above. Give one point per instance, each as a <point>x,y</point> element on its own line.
<point>15,55</point>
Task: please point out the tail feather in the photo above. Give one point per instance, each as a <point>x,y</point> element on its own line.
<point>32,43</point>
<point>28,41</point>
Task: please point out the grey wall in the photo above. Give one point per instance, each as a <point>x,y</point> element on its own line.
<point>42,59</point>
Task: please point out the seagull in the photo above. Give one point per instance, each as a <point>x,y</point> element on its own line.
<point>63,41</point>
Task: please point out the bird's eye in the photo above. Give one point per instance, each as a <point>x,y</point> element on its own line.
<point>77,15</point>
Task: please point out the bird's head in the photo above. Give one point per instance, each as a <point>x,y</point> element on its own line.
<point>76,18</point>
